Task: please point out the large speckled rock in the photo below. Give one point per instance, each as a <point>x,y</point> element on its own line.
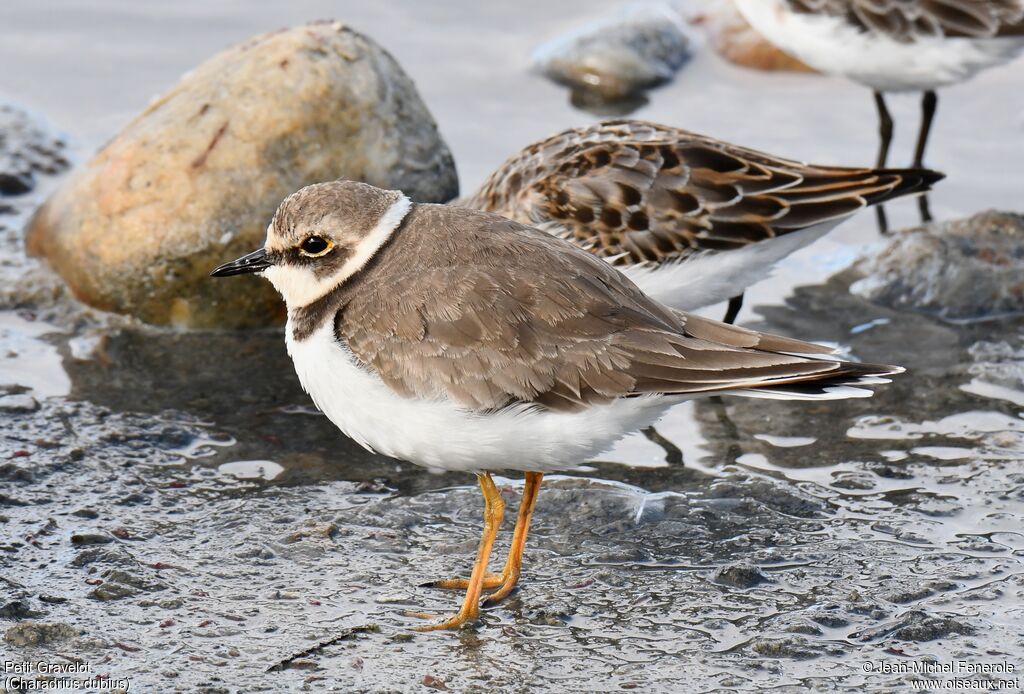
<point>736,41</point>
<point>194,180</point>
<point>967,269</point>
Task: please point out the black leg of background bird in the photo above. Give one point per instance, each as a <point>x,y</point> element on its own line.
<point>735,304</point>
<point>673,454</point>
<point>883,221</point>
<point>924,208</point>
<point>885,128</point>
<point>730,430</point>
<point>929,104</point>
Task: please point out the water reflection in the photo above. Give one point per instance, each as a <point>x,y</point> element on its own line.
<point>27,360</point>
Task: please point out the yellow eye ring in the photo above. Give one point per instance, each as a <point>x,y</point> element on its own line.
<point>315,246</point>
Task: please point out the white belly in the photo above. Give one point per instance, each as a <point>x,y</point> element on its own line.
<point>708,278</point>
<point>831,46</point>
<point>442,435</point>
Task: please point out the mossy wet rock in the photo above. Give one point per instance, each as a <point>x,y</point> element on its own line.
<point>39,633</point>
<point>639,47</point>
<point>961,270</point>
<point>194,180</point>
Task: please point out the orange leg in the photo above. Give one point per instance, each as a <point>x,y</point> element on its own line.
<point>514,563</point>
<point>509,576</point>
<point>494,511</point>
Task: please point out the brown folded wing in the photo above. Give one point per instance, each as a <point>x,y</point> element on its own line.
<point>908,20</point>
<point>489,313</point>
<point>639,192</point>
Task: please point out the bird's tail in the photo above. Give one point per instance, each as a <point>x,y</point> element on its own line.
<point>905,182</point>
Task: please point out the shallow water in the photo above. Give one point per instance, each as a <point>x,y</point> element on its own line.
<point>177,501</point>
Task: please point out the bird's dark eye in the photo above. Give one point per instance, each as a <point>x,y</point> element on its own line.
<point>315,246</point>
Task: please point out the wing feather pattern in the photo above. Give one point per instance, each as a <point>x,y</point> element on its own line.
<point>635,192</point>
<point>908,20</point>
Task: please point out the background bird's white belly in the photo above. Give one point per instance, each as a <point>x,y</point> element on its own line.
<point>832,46</point>
<point>440,434</point>
<point>708,278</point>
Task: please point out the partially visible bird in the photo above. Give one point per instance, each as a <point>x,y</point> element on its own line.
<point>894,46</point>
<point>461,340</point>
<point>691,219</point>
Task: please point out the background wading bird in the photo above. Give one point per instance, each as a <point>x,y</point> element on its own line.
<point>691,219</point>
<point>894,46</point>
<point>461,340</point>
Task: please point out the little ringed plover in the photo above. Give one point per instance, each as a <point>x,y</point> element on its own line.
<point>460,340</point>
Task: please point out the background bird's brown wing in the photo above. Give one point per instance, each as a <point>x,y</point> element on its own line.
<point>906,20</point>
<point>505,314</point>
<point>639,192</point>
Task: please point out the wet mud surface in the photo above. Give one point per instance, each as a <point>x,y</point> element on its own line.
<point>174,512</point>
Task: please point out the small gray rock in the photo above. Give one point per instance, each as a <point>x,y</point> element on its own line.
<point>854,481</point>
<point>395,599</point>
<point>26,149</point>
<point>918,626</point>
<point>10,472</point>
<point>103,555</point>
<point>914,592</point>
<point>739,576</point>
<point>795,647</point>
<point>18,404</point>
<point>963,270</point>
<point>52,599</point>
<point>830,620</point>
<point>19,609</point>
<point>619,56</point>
<point>122,584</point>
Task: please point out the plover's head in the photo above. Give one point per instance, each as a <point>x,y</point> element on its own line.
<point>321,236</point>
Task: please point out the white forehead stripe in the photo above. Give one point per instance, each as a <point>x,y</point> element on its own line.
<point>300,287</point>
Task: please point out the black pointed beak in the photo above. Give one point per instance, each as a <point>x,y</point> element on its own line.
<point>247,264</point>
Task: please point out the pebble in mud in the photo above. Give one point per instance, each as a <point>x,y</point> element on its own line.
<point>920,627</point>
<point>16,474</point>
<point>80,539</point>
<point>739,576</point>
<point>794,647</point>
<point>913,593</point>
<point>19,609</point>
<point>39,633</point>
<point>115,556</point>
<point>119,584</point>
<point>769,493</point>
<point>209,161</point>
